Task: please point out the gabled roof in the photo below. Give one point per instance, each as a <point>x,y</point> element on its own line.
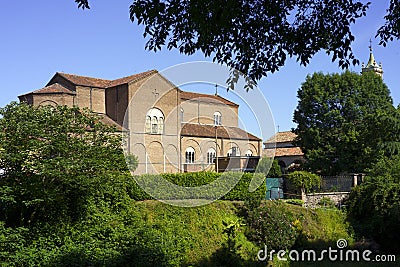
<point>52,89</point>
<point>85,81</point>
<point>210,98</point>
<point>131,78</point>
<point>285,151</point>
<point>103,83</point>
<point>202,130</point>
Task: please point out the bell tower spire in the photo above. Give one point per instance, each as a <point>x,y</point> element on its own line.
<point>372,65</point>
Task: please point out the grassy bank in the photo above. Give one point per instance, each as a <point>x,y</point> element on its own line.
<point>150,233</point>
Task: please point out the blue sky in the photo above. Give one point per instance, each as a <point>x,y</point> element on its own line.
<point>41,37</point>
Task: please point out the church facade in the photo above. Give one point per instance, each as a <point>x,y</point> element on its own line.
<point>168,129</point>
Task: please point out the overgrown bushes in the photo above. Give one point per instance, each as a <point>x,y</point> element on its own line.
<point>374,206</point>
<point>150,233</point>
<point>273,226</point>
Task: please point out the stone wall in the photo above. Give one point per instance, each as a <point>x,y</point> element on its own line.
<point>311,200</point>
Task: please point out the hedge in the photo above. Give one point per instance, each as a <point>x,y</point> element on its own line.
<point>219,184</point>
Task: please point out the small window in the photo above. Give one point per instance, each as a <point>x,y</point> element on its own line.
<point>160,125</point>
<point>233,152</point>
<point>217,118</point>
<point>249,153</point>
<point>148,124</point>
<point>154,125</point>
<point>189,155</point>
<point>211,155</point>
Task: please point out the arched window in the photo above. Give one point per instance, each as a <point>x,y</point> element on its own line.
<point>160,125</point>
<point>154,121</point>
<point>249,153</point>
<point>148,124</point>
<point>217,118</point>
<point>189,155</point>
<point>211,155</point>
<point>233,152</point>
<point>154,125</point>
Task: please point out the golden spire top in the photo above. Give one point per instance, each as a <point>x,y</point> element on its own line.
<point>372,65</point>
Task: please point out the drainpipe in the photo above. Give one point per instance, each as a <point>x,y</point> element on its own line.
<point>90,99</point>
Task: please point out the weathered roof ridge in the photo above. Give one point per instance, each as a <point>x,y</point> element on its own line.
<point>54,88</point>
<point>281,137</point>
<point>217,98</point>
<point>104,83</point>
<point>132,78</point>
<point>84,80</point>
<point>226,132</point>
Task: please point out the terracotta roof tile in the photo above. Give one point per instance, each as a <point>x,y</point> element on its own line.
<point>288,151</point>
<point>85,81</point>
<point>131,78</point>
<point>53,89</point>
<point>108,121</point>
<point>282,137</point>
<point>201,130</point>
<point>103,83</point>
<point>210,98</point>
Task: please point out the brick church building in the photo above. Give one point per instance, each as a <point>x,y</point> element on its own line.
<point>168,129</point>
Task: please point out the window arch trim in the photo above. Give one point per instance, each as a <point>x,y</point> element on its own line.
<point>154,121</point>
<point>190,155</point>
<point>217,118</point>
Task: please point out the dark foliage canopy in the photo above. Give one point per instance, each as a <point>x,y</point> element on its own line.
<point>340,121</point>
<point>256,37</point>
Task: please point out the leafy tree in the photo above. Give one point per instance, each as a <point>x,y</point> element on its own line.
<point>374,206</point>
<point>385,132</point>
<point>338,121</point>
<point>256,37</point>
<point>304,180</point>
<point>274,171</point>
<point>52,160</point>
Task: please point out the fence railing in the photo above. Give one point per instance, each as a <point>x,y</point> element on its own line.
<point>336,184</point>
<point>341,183</point>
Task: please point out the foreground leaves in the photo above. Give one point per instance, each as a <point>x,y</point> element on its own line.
<point>50,158</point>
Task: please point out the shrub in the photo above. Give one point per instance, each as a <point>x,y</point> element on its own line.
<point>374,206</point>
<point>272,225</point>
<point>294,201</point>
<point>326,202</point>
<point>241,190</point>
<point>304,180</point>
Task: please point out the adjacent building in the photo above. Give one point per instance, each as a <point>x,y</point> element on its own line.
<point>281,145</point>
